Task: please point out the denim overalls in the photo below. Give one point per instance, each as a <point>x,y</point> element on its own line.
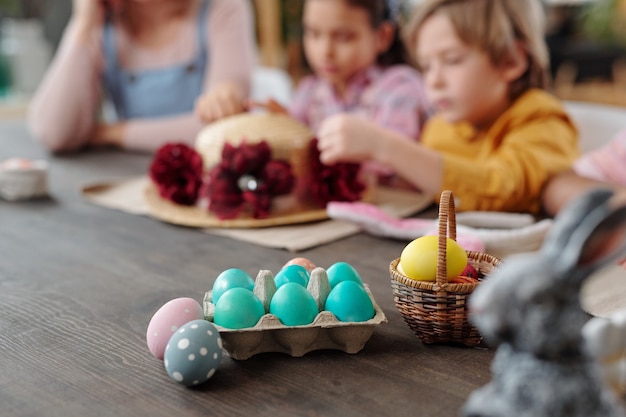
<point>156,92</point>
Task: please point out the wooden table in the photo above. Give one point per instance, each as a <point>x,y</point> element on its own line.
<point>79,284</point>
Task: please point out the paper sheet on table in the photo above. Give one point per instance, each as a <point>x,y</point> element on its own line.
<point>128,196</point>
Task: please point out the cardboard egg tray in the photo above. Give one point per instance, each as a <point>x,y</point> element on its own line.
<point>270,335</point>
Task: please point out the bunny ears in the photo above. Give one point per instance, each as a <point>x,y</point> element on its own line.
<point>586,235</point>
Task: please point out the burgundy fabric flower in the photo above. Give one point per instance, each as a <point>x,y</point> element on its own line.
<point>177,171</point>
<point>338,182</point>
<point>246,177</point>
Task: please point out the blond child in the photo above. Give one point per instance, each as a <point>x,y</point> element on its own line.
<point>151,59</point>
<point>360,69</point>
<point>497,135</point>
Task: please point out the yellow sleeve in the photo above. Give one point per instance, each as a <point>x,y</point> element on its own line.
<point>512,176</point>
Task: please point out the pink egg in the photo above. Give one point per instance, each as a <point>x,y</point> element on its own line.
<point>172,315</point>
<point>303,262</point>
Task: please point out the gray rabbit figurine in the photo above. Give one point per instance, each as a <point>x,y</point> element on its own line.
<point>530,308</point>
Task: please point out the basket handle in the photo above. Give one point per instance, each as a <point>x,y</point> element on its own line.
<point>447,228</point>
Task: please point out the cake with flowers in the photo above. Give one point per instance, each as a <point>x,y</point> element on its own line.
<point>249,170</point>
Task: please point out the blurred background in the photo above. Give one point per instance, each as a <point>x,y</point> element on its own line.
<point>586,40</point>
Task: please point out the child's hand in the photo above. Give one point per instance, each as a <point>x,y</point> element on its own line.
<point>347,138</point>
<point>270,105</point>
<point>224,100</point>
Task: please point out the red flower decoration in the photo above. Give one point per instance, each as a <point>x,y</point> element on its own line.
<point>177,172</point>
<point>338,182</point>
<point>246,176</point>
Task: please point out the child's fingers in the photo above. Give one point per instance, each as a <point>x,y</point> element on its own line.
<point>212,110</point>
<point>270,105</point>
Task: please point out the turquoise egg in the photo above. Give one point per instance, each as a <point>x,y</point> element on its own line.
<point>292,273</point>
<point>193,353</point>
<point>342,271</point>
<point>238,308</point>
<point>293,305</point>
<point>231,278</point>
<point>349,301</point>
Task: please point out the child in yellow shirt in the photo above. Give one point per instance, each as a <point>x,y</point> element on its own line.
<point>497,135</point>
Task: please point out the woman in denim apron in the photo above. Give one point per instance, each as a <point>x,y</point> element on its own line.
<point>151,60</point>
<point>156,92</point>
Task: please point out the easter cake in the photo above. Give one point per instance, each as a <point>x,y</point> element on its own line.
<point>249,170</point>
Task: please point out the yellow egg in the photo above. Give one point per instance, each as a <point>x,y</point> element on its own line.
<point>419,258</point>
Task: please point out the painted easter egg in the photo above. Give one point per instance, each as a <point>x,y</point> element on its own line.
<point>193,353</point>
<point>306,263</point>
<point>293,305</point>
<point>342,271</point>
<point>349,301</point>
<point>419,258</point>
<point>469,271</point>
<point>231,278</point>
<point>463,280</point>
<point>169,318</point>
<point>292,273</point>
<point>238,308</point>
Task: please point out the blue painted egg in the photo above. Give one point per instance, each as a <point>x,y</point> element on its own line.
<point>292,273</point>
<point>342,271</point>
<point>293,305</point>
<point>349,301</point>
<point>193,353</point>
<point>238,308</point>
<point>231,278</point>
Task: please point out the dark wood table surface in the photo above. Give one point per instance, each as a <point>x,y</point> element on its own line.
<point>79,284</point>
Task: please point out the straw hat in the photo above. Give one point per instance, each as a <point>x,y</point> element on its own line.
<point>289,141</point>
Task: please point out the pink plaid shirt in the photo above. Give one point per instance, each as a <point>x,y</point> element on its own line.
<point>607,163</point>
<point>393,98</point>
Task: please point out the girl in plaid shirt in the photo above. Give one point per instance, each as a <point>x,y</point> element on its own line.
<point>361,70</point>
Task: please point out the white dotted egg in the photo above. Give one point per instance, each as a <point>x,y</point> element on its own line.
<point>193,353</point>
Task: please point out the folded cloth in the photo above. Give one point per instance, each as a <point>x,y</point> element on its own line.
<point>524,234</point>
<point>375,221</point>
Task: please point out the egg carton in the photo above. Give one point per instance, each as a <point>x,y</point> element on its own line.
<point>270,335</point>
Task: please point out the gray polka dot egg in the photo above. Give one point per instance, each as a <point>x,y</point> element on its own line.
<point>193,353</point>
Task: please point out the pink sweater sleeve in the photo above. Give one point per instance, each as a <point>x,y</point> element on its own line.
<point>232,58</point>
<point>607,163</point>
<point>63,111</point>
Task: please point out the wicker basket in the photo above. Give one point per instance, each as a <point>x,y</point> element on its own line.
<point>437,310</point>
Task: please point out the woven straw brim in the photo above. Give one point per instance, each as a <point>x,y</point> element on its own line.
<point>438,313</point>
<point>194,216</point>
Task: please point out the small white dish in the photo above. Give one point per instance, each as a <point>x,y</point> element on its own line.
<point>23,179</point>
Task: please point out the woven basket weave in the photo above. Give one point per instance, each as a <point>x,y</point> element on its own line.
<point>436,311</point>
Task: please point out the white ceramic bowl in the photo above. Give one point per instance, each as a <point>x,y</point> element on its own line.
<point>22,179</point>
